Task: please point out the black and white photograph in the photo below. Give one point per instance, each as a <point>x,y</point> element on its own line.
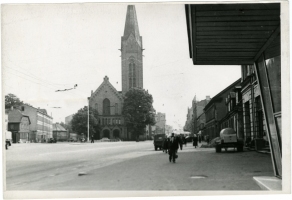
<point>146,99</point>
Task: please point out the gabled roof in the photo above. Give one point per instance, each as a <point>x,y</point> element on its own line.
<point>131,25</point>
<point>217,96</point>
<point>15,116</point>
<point>58,127</point>
<point>113,89</point>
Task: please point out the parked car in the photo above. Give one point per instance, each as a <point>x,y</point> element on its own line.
<point>105,139</point>
<point>189,139</point>
<point>228,138</point>
<point>52,140</point>
<point>158,141</point>
<point>72,140</point>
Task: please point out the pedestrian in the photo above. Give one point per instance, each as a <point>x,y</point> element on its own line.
<point>195,141</point>
<point>165,144</point>
<point>92,139</point>
<point>180,140</point>
<point>185,140</point>
<point>200,139</point>
<point>172,148</point>
<point>207,139</point>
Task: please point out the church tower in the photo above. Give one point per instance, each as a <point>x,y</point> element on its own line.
<point>132,62</point>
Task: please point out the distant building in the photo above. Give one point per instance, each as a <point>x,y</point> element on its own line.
<point>60,133</point>
<point>41,127</point>
<point>188,124</point>
<point>160,123</point>
<point>18,124</point>
<point>106,99</point>
<point>198,109</point>
<point>201,121</point>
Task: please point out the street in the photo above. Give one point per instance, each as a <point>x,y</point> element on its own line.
<point>130,166</point>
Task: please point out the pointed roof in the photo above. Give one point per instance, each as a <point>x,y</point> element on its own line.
<point>113,89</point>
<point>131,25</point>
<point>58,127</point>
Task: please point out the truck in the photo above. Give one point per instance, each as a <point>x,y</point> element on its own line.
<point>227,139</point>
<point>8,139</point>
<point>158,141</point>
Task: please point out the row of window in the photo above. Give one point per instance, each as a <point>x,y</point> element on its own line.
<point>44,119</point>
<point>110,121</point>
<point>44,128</point>
<point>44,124</point>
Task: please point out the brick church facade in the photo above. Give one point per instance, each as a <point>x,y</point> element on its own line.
<point>106,99</point>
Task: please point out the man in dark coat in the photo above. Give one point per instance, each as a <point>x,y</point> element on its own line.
<point>195,141</point>
<point>92,139</point>
<point>172,148</point>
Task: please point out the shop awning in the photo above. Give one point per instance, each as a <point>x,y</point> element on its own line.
<point>232,34</point>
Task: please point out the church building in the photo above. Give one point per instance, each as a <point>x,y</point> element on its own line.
<point>106,99</point>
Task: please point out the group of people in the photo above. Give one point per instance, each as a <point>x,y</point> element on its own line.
<point>172,144</point>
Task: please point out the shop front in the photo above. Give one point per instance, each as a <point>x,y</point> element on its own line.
<point>245,34</point>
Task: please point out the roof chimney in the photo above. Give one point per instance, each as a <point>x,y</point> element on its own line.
<point>208,98</point>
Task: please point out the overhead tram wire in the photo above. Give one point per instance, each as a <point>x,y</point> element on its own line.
<point>42,84</point>
<point>37,78</point>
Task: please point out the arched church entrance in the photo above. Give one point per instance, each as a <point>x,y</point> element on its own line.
<point>116,133</point>
<point>97,135</point>
<point>106,133</point>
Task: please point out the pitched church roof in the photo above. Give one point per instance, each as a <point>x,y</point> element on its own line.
<point>112,88</point>
<point>131,25</point>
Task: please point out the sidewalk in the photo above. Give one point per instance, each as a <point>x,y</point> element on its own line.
<point>195,169</point>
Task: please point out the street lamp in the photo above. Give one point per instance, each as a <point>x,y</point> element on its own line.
<point>88,120</point>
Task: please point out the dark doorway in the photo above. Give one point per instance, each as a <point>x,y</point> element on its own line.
<point>116,133</point>
<point>106,133</point>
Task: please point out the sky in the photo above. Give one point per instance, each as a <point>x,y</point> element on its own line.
<point>52,47</point>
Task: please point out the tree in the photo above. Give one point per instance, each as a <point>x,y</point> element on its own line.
<point>138,110</point>
<point>79,121</point>
<point>12,100</point>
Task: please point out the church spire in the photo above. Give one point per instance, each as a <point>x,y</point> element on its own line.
<point>131,25</point>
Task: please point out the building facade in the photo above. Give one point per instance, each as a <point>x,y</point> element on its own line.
<point>216,110</point>
<point>41,127</point>
<point>188,124</point>
<point>234,116</point>
<point>18,124</point>
<point>60,133</point>
<point>262,49</point>
<point>253,116</point>
<point>106,99</point>
<point>131,49</point>
<point>198,109</point>
<point>108,103</point>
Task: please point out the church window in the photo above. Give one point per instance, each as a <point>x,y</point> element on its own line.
<point>96,106</point>
<point>132,74</point>
<point>116,108</point>
<point>102,121</point>
<point>106,106</point>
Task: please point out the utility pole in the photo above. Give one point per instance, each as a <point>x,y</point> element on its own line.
<point>88,121</point>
